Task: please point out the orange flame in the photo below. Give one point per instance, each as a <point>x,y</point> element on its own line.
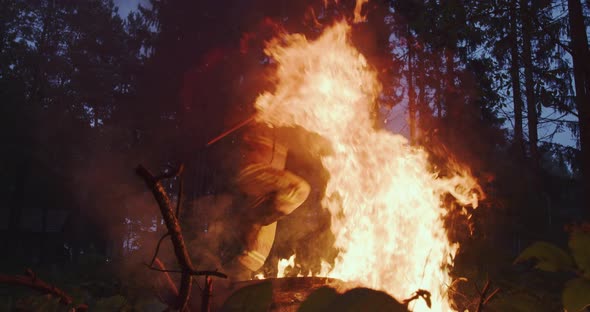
<point>385,202</point>
<point>358,17</point>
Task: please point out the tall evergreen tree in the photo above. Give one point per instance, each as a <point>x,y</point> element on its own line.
<point>526,16</point>
<point>580,57</point>
<point>515,77</point>
<point>68,68</point>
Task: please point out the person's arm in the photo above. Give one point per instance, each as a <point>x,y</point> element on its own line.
<point>302,143</point>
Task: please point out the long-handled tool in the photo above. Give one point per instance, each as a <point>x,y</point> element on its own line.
<point>232,129</point>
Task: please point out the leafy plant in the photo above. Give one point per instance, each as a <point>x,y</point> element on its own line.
<point>551,258</point>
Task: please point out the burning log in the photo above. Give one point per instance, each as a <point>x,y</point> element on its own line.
<point>278,294</point>
<point>303,294</point>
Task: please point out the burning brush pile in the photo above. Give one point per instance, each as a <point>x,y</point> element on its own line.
<point>384,198</point>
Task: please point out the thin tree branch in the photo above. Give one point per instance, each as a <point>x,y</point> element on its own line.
<point>483,296</point>
<point>558,42</point>
<point>170,219</point>
<point>207,291</point>
<point>550,135</point>
<point>32,281</point>
<point>167,281</point>
<point>158,248</point>
<point>168,175</point>
<point>549,119</point>
<point>491,295</point>
<point>193,273</point>
<point>179,198</point>
<point>173,226</point>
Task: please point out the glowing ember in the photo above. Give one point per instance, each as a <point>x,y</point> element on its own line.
<point>385,203</point>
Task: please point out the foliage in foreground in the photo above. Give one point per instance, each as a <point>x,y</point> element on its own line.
<point>551,258</point>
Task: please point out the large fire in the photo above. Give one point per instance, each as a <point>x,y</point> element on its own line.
<point>385,201</point>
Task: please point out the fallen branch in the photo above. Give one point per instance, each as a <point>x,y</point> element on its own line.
<point>491,295</point>
<point>170,219</point>
<point>32,281</point>
<point>482,296</point>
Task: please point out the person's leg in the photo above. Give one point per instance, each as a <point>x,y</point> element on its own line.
<point>256,249</point>
<point>270,193</point>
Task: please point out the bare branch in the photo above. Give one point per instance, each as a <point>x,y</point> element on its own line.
<point>179,197</point>
<point>207,291</point>
<point>171,174</point>
<point>483,296</point>
<point>491,295</point>
<point>33,282</point>
<point>170,219</point>
<point>193,273</point>
<point>155,257</point>
<point>173,226</point>
<point>167,281</point>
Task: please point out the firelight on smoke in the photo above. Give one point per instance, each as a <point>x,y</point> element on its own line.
<point>385,202</point>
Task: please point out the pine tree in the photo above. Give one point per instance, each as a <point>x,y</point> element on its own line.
<point>580,57</point>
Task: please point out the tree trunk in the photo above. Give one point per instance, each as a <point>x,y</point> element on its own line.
<point>43,239</point>
<point>515,76</point>
<point>451,103</point>
<point>580,57</point>
<point>411,91</point>
<point>532,118</point>
<point>17,205</point>
<point>18,202</point>
<point>440,86</point>
<point>423,110</point>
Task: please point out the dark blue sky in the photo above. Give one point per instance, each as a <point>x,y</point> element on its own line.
<point>127,5</point>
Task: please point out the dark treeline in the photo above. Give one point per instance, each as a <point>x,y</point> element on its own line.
<point>86,95</point>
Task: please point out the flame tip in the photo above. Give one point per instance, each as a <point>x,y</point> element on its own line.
<point>385,200</point>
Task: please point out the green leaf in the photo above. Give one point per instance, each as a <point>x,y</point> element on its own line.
<point>549,257</point>
<point>580,245</point>
<point>576,295</point>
